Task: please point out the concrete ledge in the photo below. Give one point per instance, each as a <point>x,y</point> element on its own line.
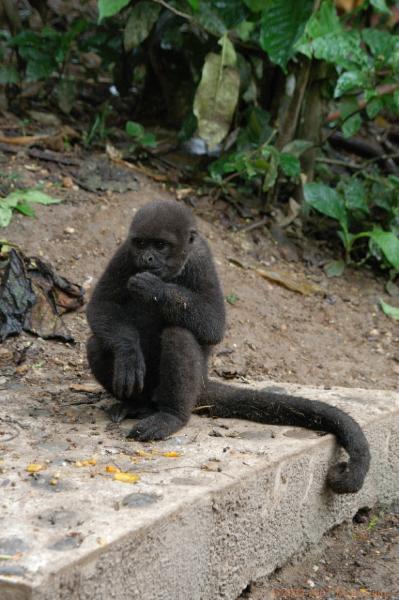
<point>232,506</point>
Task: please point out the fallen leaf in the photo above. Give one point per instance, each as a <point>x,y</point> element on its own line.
<point>112,469</point>
<point>171,454</point>
<point>286,280</point>
<point>34,468</point>
<point>126,477</point>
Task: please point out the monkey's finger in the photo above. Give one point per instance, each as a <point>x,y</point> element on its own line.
<point>140,380</point>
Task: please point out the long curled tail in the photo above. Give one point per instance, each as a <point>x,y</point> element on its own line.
<point>273,408</point>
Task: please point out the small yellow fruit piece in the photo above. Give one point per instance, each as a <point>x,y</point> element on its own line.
<point>127,477</point>
<point>34,468</point>
<point>54,481</point>
<point>112,469</point>
<point>171,454</point>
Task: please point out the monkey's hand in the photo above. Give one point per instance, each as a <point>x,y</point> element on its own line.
<point>146,285</point>
<point>129,372</point>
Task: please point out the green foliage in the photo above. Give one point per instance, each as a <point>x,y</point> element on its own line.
<point>390,311</point>
<point>351,207</point>
<point>282,25</point>
<point>140,136</point>
<point>21,201</point>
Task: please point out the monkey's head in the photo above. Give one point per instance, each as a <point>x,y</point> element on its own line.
<point>161,238</point>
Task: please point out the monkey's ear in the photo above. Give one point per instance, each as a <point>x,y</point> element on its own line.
<point>192,236</point>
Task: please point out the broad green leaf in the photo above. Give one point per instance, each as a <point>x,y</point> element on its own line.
<point>244,30</point>
<point>381,43</point>
<point>352,125</point>
<point>355,196</point>
<point>25,209</point>
<point>327,201</point>
<point>139,24</point>
<point>390,311</point>
<point>374,107</point>
<point>282,25</point>
<point>217,94</point>
<point>194,4</point>
<point>149,140</point>
<point>297,147</point>
<point>107,8</point>
<point>349,81</point>
<point>34,196</point>
<point>388,242</point>
<point>134,129</point>
<point>380,6</point>
<point>5,214</point>
<point>290,164</point>
<point>334,268</point>
<point>325,39</point>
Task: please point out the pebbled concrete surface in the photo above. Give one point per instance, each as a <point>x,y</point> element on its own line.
<point>231,503</point>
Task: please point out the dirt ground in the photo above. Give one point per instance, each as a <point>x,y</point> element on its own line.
<point>335,337</point>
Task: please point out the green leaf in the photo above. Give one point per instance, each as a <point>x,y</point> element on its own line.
<point>355,196</point>
<point>5,214</point>
<point>139,24</point>
<point>381,43</point>
<point>34,196</point>
<point>282,25</point>
<point>134,129</point>
<point>327,201</point>
<point>290,164</point>
<point>194,4</point>
<point>232,298</point>
<point>324,38</point>
<point>380,6</point>
<point>334,268</point>
<point>374,107</point>
<point>217,94</point>
<point>107,8</point>
<point>390,311</point>
<point>388,242</point>
<point>349,81</point>
<point>25,209</point>
<point>148,140</point>
<point>352,125</point>
<point>297,147</point>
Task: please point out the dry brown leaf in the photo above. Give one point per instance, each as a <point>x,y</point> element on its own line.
<point>304,287</point>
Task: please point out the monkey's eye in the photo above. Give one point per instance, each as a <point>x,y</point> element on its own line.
<point>160,245</point>
<point>141,244</point>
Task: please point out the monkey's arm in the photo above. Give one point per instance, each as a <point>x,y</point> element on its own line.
<point>111,323</point>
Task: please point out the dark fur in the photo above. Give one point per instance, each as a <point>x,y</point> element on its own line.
<point>155,314</point>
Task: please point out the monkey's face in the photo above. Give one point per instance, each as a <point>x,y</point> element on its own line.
<point>161,238</point>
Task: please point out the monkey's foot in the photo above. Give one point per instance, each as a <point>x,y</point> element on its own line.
<point>156,427</point>
<point>120,411</point>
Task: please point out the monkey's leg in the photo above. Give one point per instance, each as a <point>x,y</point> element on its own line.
<point>181,380</point>
<point>101,362</point>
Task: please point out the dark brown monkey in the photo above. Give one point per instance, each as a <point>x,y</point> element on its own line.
<point>155,314</point>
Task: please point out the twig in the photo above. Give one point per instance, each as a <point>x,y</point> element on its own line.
<point>253,226</point>
<point>174,10</point>
<point>382,90</point>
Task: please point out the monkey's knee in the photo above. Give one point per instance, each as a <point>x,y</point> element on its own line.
<point>179,338</point>
<point>100,362</point>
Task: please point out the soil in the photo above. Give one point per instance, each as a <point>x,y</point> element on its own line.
<point>337,336</point>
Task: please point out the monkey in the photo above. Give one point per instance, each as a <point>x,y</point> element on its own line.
<point>155,315</point>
